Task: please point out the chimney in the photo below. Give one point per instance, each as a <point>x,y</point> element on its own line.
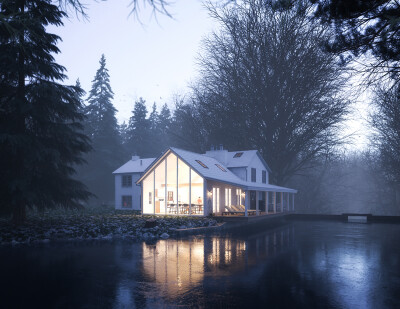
<point>141,162</point>
<point>218,153</point>
<point>135,158</point>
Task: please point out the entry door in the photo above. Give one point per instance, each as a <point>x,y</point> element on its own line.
<point>253,200</point>
<point>215,200</point>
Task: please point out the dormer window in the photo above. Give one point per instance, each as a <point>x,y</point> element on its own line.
<point>201,163</point>
<point>238,154</point>
<point>221,168</point>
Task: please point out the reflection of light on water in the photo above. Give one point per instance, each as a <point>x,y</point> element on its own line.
<point>352,271</point>
<point>178,265</point>
<point>124,297</point>
<point>349,269</point>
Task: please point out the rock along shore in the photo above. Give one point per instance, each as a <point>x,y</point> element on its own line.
<point>74,226</point>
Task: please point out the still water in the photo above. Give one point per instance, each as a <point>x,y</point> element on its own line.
<point>298,265</point>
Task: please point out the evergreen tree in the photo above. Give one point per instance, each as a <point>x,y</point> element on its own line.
<point>164,117</point>
<point>164,127</point>
<point>139,139</point>
<point>102,128</point>
<point>41,136</point>
<point>123,132</point>
<point>153,120</point>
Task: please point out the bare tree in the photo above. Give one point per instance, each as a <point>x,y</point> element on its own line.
<point>266,83</point>
<point>386,121</point>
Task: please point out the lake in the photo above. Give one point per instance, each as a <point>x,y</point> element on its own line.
<point>302,264</point>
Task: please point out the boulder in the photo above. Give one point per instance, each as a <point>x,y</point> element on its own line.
<point>150,223</point>
<point>164,236</point>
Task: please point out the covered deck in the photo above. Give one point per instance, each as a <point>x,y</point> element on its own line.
<point>251,201</point>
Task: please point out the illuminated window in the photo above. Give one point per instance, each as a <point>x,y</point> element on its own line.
<point>127,180</point>
<point>221,168</point>
<point>202,164</point>
<point>238,155</point>
<point>127,201</point>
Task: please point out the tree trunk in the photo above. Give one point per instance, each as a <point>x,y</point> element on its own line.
<point>19,213</point>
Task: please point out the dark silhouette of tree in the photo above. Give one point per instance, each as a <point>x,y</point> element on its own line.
<point>123,131</point>
<point>139,130</point>
<point>266,84</point>
<point>386,121</point>
<point>370,27</point>
<point>41,138</point>
<point>164,127</point>
<point>187,129</point>
<point>102,128</point>
<point>153,120</point>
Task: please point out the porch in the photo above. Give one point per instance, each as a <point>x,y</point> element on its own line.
<point>231,201</point>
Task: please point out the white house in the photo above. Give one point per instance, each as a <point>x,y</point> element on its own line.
<point>219,182</point>
<point>127,193</point>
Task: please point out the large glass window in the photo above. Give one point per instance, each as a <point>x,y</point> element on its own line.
<point>183,187</point>
<point>172,199</point>
<point>147,198</point>
<point>197,184</point>
<point>160,188</point>
<point>177,189</point>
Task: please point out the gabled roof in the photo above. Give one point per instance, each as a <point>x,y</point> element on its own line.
<point>212,171</point>
<point>244,160</point>
<point>137,166</point>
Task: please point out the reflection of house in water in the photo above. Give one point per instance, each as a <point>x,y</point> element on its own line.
<point>178,265</point>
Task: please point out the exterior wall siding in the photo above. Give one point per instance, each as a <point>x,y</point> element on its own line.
<point>134,191</point>
<point>240,172</point>
<point>259,166</point>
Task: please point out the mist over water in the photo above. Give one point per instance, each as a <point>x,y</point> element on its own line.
<point>299,265</point>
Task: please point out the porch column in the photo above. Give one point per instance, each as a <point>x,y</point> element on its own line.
<point>281,201</point>
<point>274,197</point>
<point>166,188</point>
<point>293,202</point>
<point>205,198</point>
<point>266,202</point>
<point>288,201</point>
<point>190,192</point>
<point>257,198</point>
<point>246,202</point>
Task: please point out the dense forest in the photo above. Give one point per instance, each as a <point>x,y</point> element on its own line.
<point>274,77</point>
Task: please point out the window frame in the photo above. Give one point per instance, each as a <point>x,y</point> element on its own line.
<point>264,176</point>
<point>130,199</point>
<point>126,183</point>
<point>253,174</point>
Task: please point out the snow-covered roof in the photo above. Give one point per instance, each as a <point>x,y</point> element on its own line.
<point>244,158</point>
<point>215,170</point>
<point>212,171</point>
<point>136,166</point>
